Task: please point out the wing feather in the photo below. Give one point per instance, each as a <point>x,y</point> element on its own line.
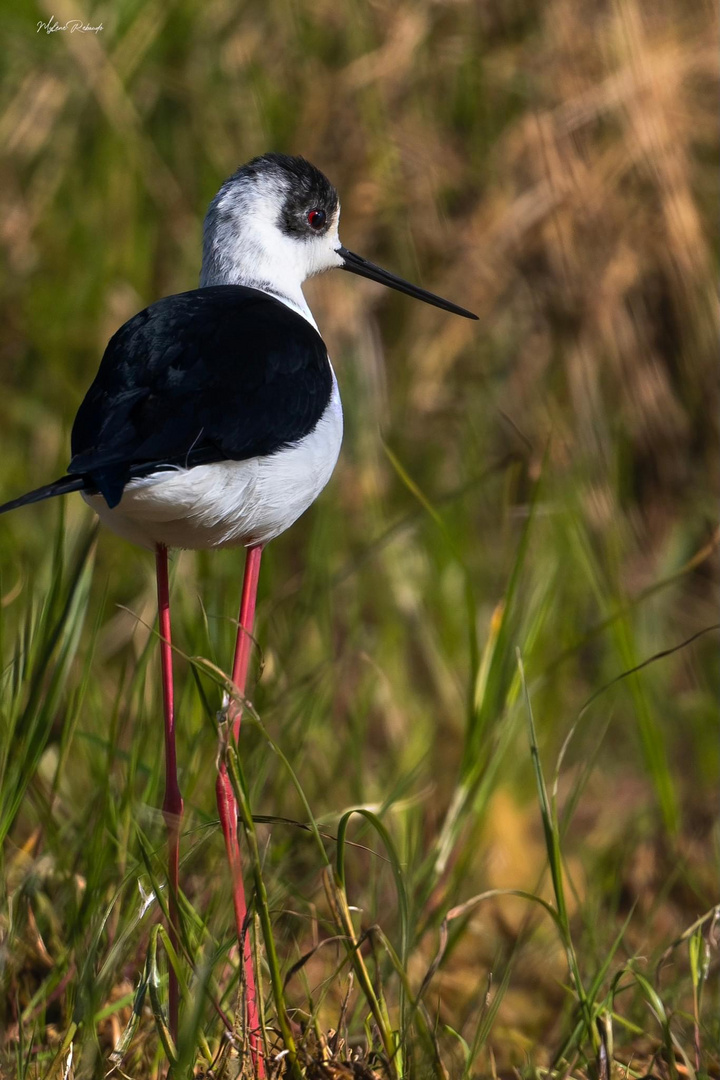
<point>220,373</point>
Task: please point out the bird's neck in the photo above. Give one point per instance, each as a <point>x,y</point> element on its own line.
<point>225,263</point>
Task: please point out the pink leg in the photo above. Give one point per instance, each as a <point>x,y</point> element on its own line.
<point>172,803</point>
<point>227,807</point>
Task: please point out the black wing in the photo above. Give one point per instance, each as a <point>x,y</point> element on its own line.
<point>220,373</point>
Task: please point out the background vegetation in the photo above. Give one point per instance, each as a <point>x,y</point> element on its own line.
<point>543,481</point>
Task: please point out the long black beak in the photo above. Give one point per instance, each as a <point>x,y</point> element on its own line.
<point>357,265</point>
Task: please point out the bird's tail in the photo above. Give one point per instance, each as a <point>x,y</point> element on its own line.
<point>63,486</point>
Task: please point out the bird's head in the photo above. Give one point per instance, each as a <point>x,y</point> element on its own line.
<point>274,223</point>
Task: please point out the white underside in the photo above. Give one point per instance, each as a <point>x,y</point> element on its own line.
<point>229,503</point>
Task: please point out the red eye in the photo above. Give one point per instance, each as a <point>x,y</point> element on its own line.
<point>316,219</point>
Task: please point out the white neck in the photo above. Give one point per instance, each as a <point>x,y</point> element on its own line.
<point>240,257</point>
<point>279,290</point>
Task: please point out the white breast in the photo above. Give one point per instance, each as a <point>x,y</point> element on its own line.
<point>229,503</point>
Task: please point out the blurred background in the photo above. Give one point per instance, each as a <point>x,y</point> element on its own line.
<point>543,480</point>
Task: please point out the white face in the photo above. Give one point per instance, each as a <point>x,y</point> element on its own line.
<point>274,224</point>
<point>280,226</point>
<point>263,230</point>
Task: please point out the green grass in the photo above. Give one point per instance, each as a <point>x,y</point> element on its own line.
<point>460,865</point>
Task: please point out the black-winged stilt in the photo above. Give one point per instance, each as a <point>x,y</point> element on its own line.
<point>215,421</point>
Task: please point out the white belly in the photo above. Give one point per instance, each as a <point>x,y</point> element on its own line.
<point>229,503</point>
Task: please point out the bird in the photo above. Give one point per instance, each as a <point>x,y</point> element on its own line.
<point>215,421</point>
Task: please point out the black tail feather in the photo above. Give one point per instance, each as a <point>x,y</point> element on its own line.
<point>64,486</point>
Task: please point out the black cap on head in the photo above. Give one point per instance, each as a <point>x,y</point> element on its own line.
<point>306,188</point>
